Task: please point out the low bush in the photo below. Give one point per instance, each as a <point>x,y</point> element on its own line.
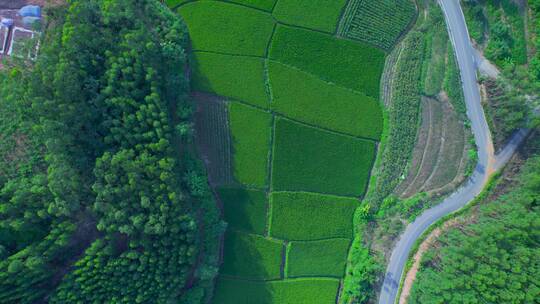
<point>228,28</point>
<point>236,77</point>
<point>244,209</point>
<point>306,216</point>
<point>251,131</point>
<point>296,291</point>
<point>317,102</point>
<point>314,160</point>
<point>320,15</point>
<point>317,258</point>
<point>346,63</point>
<point>251,256</point>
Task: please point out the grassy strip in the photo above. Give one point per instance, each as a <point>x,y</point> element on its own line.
<point>251,131</point>
<point>317,102</point>
<point>319,15</point>
<point>317,258</point>
<point>251,256</point>
<point>310,159</point>
<point>236,77</point>
<point>244,209</point>
<point>295,291</point>
<point>223,27</point>
<point>308,216</point>
<point>347,63</point>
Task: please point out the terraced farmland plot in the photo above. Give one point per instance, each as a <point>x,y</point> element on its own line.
<point>313,160</point>
<point>350,64</point>
<point>251,129</point>
<point>304,118</point>
<point>320,103</point>
<point>377,22</point>
<point>321,15</point>
<point>224,27</point>
<point>292,291</point>
<point>302,216</point>
<point>317,258</point>
<point>250,256</point>
<point>244,209</point>
<point>236,77</point>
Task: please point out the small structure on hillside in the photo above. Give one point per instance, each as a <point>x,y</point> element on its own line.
<point>17,30</point>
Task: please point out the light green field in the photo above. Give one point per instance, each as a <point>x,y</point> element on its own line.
<point>251,131</point>
<point>309,159</point>
<point>317,258</point>
<point>251,256</point>
<point>303,216</point>
<point>320,15</point>
<point>294,291</point>
<point>317,102</point>
<point>347,63</point>
<point>237,77</point>
<point>266,5</point>
<point>244,209</point>
<point>227,28</point>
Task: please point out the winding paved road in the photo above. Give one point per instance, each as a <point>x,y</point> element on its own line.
<point>487,161</point>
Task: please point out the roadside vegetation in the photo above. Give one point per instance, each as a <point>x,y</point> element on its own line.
<point>489,252</point>
<point>506,32</point>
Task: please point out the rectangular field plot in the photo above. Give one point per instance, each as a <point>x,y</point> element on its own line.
<point>317,258</point>
<point>227,28</point>
<point>320,15</point>
<point>266,5</point>
<point>251,256</point>
<point>306,98</point>
<point>213,138</point>
<point>303,216</point>
<point>294,291</point>
<point>244,209</point>
<point>379,23</point>
<point>313,160</point>
<point>347,63</point>
<point>236,77</point>
<point>251,130</point>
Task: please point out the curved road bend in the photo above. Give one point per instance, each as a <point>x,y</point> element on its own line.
<point>487,161</point>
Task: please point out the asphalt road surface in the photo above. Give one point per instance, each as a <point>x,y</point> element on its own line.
<point>487,161</point>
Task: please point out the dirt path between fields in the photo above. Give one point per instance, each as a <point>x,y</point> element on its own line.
<point>411,274</point>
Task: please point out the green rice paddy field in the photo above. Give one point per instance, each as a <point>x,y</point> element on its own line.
<point>305,119</point>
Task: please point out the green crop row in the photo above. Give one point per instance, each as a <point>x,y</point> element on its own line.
<point>306,216</point>
<point>347,63</point>
<point>403,116</point>
<point>251,256</point>
<point>317,102</point>
<point>313,160</point>
<point>317,258</point>
<point>379,23</point>
<point>294,291</point>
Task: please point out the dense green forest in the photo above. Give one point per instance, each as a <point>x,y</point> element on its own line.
<point>100,191</point>
<point>491,255</point>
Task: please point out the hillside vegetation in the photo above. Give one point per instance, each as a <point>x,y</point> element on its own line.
<point>492,253</point>
<point>99,189</point>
